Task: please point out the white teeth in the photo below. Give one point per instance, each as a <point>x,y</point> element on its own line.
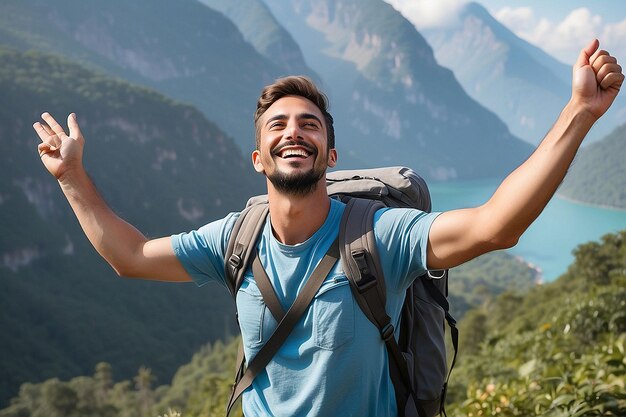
<point>294,152</point>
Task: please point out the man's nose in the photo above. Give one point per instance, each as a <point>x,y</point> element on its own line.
<point>292,131</point>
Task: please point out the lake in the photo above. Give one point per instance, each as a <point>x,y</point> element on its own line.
<point>549,241</point>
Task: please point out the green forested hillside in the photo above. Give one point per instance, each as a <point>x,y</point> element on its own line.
<point>598,175</point>
<point>163,167</point>
<point>558,350</point>
<point>478,281</point>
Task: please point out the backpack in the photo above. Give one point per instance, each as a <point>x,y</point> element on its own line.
<point>417,361</point>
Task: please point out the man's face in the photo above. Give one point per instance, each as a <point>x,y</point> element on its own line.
<point>293,150</point>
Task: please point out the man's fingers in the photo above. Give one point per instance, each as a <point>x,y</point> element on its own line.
<point>598,55</point>
<point>612,80</point>
<point>73,125</point>
<point>600,59</point>
<point>45,148</point>
<point>607,69</point>
<point>41,132</point>
<point>46,134</point>
<point>586,53</point>
<point>56,128</point>
<point>48,130</point>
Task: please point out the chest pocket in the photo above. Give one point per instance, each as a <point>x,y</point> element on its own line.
<point>333,314</point>
<point>255,320</point>
<point>332,310</point>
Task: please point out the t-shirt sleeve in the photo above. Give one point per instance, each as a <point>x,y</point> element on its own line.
<point>201,252</point>
<point>402,242</point>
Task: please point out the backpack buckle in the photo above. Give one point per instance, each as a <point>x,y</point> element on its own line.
<point>387,332</point>
<point>365,280</point>
<point>234,261</point>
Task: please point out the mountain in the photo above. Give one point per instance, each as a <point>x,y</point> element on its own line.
<point>598,175</point>
<point>62,308</point>
<point>261,29</point>
<point>385,84</point>
<point>392,102</point>
<point>523,85</point>
<point>182,48</point>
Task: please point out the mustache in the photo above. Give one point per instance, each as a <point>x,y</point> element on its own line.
<point>300,143</point>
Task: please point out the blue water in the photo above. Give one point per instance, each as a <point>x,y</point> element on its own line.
<point>549,241</point>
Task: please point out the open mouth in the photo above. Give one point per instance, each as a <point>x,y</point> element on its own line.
<point>294,150</point>
<point>294,153</point>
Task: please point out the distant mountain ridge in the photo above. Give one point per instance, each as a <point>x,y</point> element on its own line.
<point>523,85</point>
<point>393,103</point>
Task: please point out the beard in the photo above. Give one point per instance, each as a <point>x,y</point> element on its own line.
<point>299,184</point>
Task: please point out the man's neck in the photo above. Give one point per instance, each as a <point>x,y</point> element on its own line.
<point>297,218</point>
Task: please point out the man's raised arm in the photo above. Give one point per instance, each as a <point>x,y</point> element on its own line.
<point>126,249</point>
<point>460,235</point>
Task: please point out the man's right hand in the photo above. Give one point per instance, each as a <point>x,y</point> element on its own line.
<point>59,152</point>
<point>124,247</point>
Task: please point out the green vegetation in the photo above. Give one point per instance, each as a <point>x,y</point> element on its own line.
<point>598,175</point>
<point>200,388</point>
<point>558,350</point>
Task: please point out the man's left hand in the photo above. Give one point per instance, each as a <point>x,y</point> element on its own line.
<point>597,78</point>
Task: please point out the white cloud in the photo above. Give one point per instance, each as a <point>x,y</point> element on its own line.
<point>517,19</point>
<point>565,39</point>
<point>426,14</point>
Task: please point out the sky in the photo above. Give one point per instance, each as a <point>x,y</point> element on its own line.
<point>561,28</point>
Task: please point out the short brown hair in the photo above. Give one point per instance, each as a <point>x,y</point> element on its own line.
<point>295,85</point>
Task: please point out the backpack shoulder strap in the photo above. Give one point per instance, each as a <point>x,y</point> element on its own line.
<point>240,249</point>
<point>365,274</point>
<point>241,244</point>
<point>359,256</point>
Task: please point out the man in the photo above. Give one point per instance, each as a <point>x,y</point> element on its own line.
<point>313,372</point>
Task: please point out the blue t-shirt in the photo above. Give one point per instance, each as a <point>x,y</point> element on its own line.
<point>334,362</point>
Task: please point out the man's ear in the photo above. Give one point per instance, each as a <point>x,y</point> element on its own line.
<point>332,158</point>
<point>256,162</point>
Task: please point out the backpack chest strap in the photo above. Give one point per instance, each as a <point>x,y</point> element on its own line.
<point>267,290</point>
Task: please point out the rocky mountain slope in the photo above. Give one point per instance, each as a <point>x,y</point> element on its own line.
<point>393,103</point>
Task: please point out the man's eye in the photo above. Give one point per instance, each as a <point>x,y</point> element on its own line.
<point>276,125</point>
<point>311,124</point>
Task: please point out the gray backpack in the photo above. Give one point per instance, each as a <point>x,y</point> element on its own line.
<point>417,361</point>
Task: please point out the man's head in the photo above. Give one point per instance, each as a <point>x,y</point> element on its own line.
<point>294,136</point>
<point>296,85</point>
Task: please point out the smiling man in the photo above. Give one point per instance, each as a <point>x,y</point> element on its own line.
<point>334,362</point>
